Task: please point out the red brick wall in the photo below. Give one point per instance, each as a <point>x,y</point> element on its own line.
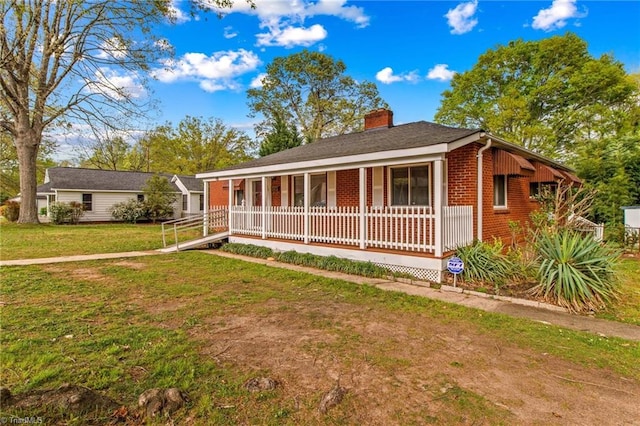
<point>519,206</point>
<point>462,179</point>
<point>348,187</point>
<point>218,196</point>
<point>276,191</point>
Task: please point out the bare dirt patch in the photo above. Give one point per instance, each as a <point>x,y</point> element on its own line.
<point>407,368</point>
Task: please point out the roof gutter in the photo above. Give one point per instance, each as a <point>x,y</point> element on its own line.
<point>479,187</point>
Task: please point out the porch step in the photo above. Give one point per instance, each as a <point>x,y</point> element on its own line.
<point>186,245</point>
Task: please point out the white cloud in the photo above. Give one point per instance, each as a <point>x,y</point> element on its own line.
<point>292,36</point>
<point>109,82</point>
<point>215,72</point>
<point>258,81</point>
<point>112,48</point>
<point>177,14</point>
<point>386,76</point>
<point>556,16</point>
<point>284,19</point>
<point>461,18</point>
<point>229,33</point>
<point>440,72</point>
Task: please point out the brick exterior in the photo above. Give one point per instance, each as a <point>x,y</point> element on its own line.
<point>461,190</point>
<point>378,118</point>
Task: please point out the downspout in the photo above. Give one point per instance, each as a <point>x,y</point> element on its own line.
<point>479,185</point>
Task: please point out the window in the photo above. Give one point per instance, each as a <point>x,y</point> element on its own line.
<point>87,202</point>
<point>140,198</point>
<point>317,193</point>
<point>185,201</point>
<point>410,186</point>
<point>500,191</point>
<point>201,202</point>
<point>537,189</point>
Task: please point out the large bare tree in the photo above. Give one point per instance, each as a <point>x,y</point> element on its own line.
<point>64,62</point>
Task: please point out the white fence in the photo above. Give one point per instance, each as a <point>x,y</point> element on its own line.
<point>407,228</point>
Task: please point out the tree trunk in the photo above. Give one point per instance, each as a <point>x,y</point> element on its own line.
<point>27,148</point>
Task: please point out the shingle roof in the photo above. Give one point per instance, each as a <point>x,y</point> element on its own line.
<point>404,136</point>
<point>96,180</point>
<point>191,183</point>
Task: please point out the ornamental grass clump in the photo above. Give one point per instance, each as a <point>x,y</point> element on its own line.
<point>575,271</point>
<point>486,263</point>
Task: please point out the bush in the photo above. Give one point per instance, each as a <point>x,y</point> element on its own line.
<point>43,211</point>
<point>486,263</point>
<point>328,263</point>
<point>59,212</point>
<point>76,211</point>
<point>129,211</point>
<point>575,271</point>
<point>11,210</point>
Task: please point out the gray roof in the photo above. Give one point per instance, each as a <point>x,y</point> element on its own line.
<point>192,183</point>
<point>404,136</point>
<point>73,178</point>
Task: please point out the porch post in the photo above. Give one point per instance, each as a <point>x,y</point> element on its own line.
<point>263,213</point>
<point>307,184</point>
<point>437,206</point>
<point>363,206</point>
<point>230,215</point>
<point>206,209</point>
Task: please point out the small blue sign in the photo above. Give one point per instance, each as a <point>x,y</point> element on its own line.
<point>455,265</point>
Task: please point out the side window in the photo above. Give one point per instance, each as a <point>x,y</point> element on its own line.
<point>500,191</point>
<point>184,202</point>
<point>141,197</point>
<point>201,202</point>
<point>87,202</point>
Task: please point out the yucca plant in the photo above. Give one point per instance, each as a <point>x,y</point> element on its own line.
<point>575,271</point>
<point>486,263</point>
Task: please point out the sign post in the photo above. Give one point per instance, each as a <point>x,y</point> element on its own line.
<point>455,265</point>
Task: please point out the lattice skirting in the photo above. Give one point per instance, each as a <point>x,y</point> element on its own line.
<point>432,275</point>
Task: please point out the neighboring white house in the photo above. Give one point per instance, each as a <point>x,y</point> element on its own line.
<point>632,217</point>
<point>98,190</point>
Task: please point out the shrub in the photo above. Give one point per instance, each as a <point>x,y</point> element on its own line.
<point>159,197</point>
<point>76,211</point>
<point>11,210</point>
<point>486,263</point>
<point>575,271</point>
<point>43,211</point>
<point>59,212</point>
<point>248,250</point>
<point>129,211</point>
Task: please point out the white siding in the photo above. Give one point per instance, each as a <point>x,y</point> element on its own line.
<point>194,204</point>
<point>103,201</point>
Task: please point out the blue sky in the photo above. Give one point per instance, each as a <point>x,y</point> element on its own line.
<point>410,49</point>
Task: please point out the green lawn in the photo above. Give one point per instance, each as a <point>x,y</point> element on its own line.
<point>35,241</point>
<point>627,307</point>
<point>206,324</point>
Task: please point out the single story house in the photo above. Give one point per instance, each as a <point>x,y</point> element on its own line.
<point>403,197</point>
<point>98,190</point>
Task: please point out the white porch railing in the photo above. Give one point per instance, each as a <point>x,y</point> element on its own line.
<point>408,228</point>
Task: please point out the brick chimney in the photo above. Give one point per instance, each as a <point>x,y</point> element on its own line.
<point>378,119</point>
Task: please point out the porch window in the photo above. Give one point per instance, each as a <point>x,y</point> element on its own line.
<point>500,191</point>
<point>410,186</point>
<point>87,202</point>
<point>317,193</point>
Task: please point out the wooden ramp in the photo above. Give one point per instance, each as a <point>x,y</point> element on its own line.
<point>191,244</point>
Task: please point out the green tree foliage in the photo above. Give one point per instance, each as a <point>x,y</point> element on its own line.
<point>159,197</point>
<point>57,60</point>
<point>310,91</point>
<point>549,95</point>
<point>195,145</point>
<point>612,167</point>
<point>282,137</point>
<point>108,154</point>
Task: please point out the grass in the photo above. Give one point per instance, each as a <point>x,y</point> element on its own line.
<point>46,240</point>
<point>627,307</point>
<point>122,328</point>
